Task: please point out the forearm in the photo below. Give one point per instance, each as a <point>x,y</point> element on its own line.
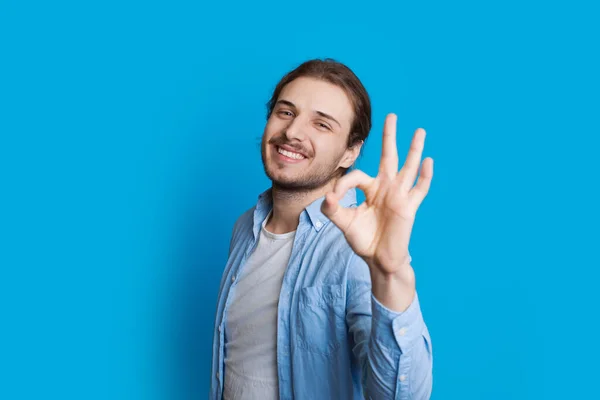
<point>399,359</point>
<point>392,341</point>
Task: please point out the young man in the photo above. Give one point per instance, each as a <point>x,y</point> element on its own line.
<point>318,297</point>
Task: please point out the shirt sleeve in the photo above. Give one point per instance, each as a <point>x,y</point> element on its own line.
<point>393,348</point>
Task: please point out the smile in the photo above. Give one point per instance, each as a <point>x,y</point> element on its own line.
<point>290,154</point>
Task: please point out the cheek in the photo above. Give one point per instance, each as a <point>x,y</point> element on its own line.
<point>271,129</point>
<point>327,148</point>
<point>268,131</point>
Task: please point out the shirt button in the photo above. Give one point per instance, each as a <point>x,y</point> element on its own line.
<point>217,375</point>
<point>220,328</point>
<point>402,378</point>
<point>402,331</point>
<point>233,279</point>
<point>319,224</point>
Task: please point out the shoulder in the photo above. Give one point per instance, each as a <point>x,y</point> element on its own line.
<point>245,219</point>
<point>243,223</point>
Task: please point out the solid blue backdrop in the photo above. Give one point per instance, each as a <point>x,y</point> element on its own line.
<point>129,145</point>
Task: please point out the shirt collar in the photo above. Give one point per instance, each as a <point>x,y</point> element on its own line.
<point>316,217</point>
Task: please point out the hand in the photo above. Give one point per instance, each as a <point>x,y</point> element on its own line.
<point>379,229</point>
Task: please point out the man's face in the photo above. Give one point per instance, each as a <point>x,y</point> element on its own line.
<point>305,139</point>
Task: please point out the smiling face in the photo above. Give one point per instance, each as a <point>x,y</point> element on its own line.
<point>304,144</point>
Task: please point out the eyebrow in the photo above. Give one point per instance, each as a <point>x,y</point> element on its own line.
<point>321,113</point>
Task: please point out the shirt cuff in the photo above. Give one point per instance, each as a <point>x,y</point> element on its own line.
<point>397,329</point>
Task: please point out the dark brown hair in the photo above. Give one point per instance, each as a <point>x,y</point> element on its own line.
<point>340,75</point>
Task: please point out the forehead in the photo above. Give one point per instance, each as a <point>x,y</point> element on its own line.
<point>310,94</point>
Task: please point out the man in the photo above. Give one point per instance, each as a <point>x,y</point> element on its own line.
<point>318,297</point>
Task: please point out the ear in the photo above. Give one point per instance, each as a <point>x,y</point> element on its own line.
<point>351,155</point>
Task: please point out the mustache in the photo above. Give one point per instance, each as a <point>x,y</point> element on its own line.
<point>281,140</point>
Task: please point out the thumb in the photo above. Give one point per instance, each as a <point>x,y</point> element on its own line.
<point>339,215</point>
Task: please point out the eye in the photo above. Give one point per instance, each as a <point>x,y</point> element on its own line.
<point>322,125</point>
<point>285,113</point>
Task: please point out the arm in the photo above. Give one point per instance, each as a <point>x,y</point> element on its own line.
<point>391,339</point>
<point>393,348</point>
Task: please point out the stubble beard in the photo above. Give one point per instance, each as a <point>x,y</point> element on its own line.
<point>304,182</point>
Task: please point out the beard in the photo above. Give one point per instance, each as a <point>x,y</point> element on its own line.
<point>315,177</point>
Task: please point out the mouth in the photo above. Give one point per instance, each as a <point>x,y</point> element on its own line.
<point>289,156</point>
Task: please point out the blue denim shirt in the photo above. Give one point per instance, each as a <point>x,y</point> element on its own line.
<point>334,339</point>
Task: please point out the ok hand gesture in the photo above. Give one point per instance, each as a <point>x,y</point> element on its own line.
<point>379,229</point>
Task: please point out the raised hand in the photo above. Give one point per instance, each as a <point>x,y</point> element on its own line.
<point>379,229</point>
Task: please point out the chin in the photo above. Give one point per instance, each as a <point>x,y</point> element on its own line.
<point>284,180</point>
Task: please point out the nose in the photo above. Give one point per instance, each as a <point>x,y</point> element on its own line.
<point>295,130</point>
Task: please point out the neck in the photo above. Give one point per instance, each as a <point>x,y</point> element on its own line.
<point>289,204</point>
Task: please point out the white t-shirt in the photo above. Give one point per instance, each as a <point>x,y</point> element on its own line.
<point>251,320</point>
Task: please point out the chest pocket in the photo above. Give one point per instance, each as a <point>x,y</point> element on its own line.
<point>321,321</point>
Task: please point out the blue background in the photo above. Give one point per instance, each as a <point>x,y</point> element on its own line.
<point>129,144</point>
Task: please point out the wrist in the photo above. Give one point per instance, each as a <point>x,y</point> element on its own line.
<point>394,290</point>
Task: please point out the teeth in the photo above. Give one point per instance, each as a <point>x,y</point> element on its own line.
<point>290,154</point>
